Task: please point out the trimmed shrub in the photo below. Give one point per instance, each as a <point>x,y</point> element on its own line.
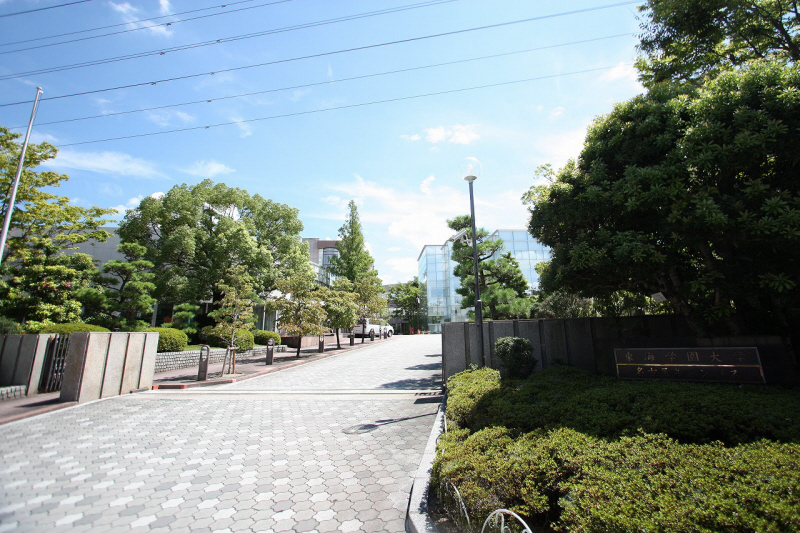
<point>73,327</point>
<point>261,336</point>
<point>516,354</point>
<point>170,339</point>
<point>9,327</point>
<point>244,339</point>
<point>465,389</point>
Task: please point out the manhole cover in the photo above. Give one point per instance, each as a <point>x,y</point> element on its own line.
<point>360,428</point>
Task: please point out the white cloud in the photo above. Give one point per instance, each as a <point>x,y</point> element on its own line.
<point>557,148</point>
<point>625,72</point>
<point>464,134</point>
<point>425,186</point>
<point>208,169</point>
<point>414,137</point>
<point>245,130</point>
<point>436,135</point>
<point>401,221</point>
<point>330,71</point>
<point>114,163</point>
<point>132,203</point>
<point>166,9</point>
<point>132,14</point>
<point>458,134</point>
<point>167,118</point>
<point>557,112</point>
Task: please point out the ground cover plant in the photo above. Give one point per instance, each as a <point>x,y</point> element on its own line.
<point>579,452</point>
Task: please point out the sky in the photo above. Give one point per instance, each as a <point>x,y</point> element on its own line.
<point>313,103</point>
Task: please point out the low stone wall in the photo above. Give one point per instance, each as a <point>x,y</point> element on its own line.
<point>21,360</point>
<point>100,365</point>
<point>174,360</point>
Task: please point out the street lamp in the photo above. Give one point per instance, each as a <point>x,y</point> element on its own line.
<point>418,317</point>
<point>470,169</point>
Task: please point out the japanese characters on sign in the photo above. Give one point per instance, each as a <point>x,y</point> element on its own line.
<point>733,365</point>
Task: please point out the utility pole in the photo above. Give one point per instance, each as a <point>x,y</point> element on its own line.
<point>13,196</point>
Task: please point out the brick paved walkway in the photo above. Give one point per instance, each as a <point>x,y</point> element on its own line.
<point>327,446</point>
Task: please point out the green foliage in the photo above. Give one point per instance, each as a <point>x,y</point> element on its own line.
<point>261,336</point>
<point>300,305</point>
<point>503,286</point>
<point>410,301</point>
<point>66,329</point>
<point>340,305</point>
<point>580,452</point>
<point>684,40</point>
<point>369,297</point>
<point>184,318</point>
<point>516,354</point>
<point>244,339</point>
<point>639,483</point>
<point>9,327</point>
<point>609,408</point>
<point>170,339</point>
<point>687,191</point>
<point>38,283</point>
<point>235,311</point>
<point>354,261</point>
<point>193,234</point>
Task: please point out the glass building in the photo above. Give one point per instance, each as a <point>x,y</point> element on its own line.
<point>436,271</point>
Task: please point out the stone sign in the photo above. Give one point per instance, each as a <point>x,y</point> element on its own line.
<point>730,365</point>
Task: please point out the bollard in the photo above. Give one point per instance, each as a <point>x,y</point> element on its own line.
<point>372,335</point>
<point>202,369</point>
<point>321,344</point>
<point>270,351</point>
<point>352,339</point>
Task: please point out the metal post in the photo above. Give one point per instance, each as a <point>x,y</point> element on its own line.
<point>13,197</point>
<point>478,303</point>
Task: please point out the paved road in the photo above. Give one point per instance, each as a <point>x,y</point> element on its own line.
<point>327,446</point>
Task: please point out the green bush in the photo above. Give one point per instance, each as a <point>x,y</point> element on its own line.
<point>9,327</point>
<point>574,482</point>
<point>244,339</point>
<point>262,336</point>
<point>73,327</point>
<point>516,354</point>
<point>578,452</point>
<point>170,339</point>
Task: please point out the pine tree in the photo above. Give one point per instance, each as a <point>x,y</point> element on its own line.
<point>354,261</point>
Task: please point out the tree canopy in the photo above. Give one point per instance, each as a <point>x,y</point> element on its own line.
<point>410,302</point>
<point>502,284</point>
<point>354,261</point>
<point>685,40</point>
<point>690,191</point>
<point>194,234</point>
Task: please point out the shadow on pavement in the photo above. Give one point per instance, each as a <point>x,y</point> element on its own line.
<point>430,382</point>
<point>429,366</point>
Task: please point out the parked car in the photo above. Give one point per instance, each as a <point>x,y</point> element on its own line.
<point>379,329</point>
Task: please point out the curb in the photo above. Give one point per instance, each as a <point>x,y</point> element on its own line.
<point>417,519</point>
<point>228,381</point>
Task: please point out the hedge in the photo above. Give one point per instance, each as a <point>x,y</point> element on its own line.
<point>9,327</point>
<point>262,336</point>
<point>244,339</point>
<point>72,327</point>
<point>579,452</point>
<point>170,339</point>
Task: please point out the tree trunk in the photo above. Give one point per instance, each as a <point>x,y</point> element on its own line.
<point>338,344</point>
<point>299,341</point>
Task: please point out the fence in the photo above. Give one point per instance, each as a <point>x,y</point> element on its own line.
<point>589,343</point>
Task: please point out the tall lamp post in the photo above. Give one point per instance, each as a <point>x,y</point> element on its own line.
<point>471,169</point>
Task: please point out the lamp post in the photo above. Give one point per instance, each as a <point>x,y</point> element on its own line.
<point>471,169</point>
<point>418,317</point>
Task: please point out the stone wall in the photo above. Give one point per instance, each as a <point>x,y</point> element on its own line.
<point>187,359</point>
<point>21,360</point>
<point>589,343</point>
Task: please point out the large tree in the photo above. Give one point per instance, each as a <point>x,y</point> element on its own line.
<point>39,281</point>
<point>687,39</point>
<point>691,192</point>
<point>341,309</point>
<point>194,234</point>
<point>354,261</point>
<point>503,286</point>
<point>298,300</point>
<point>410,302</point>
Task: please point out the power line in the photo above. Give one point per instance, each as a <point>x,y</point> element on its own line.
<point>43,8</point>
<point>240,37</point>
<point>163,24</point>
<point>77,32</point>
<point>321,54</point>
<point>338,108</point>
<point>328,82</point>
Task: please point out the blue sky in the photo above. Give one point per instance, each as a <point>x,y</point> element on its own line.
<point>331,119</point>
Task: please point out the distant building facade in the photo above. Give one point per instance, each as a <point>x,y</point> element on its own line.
<point>436,272</point>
